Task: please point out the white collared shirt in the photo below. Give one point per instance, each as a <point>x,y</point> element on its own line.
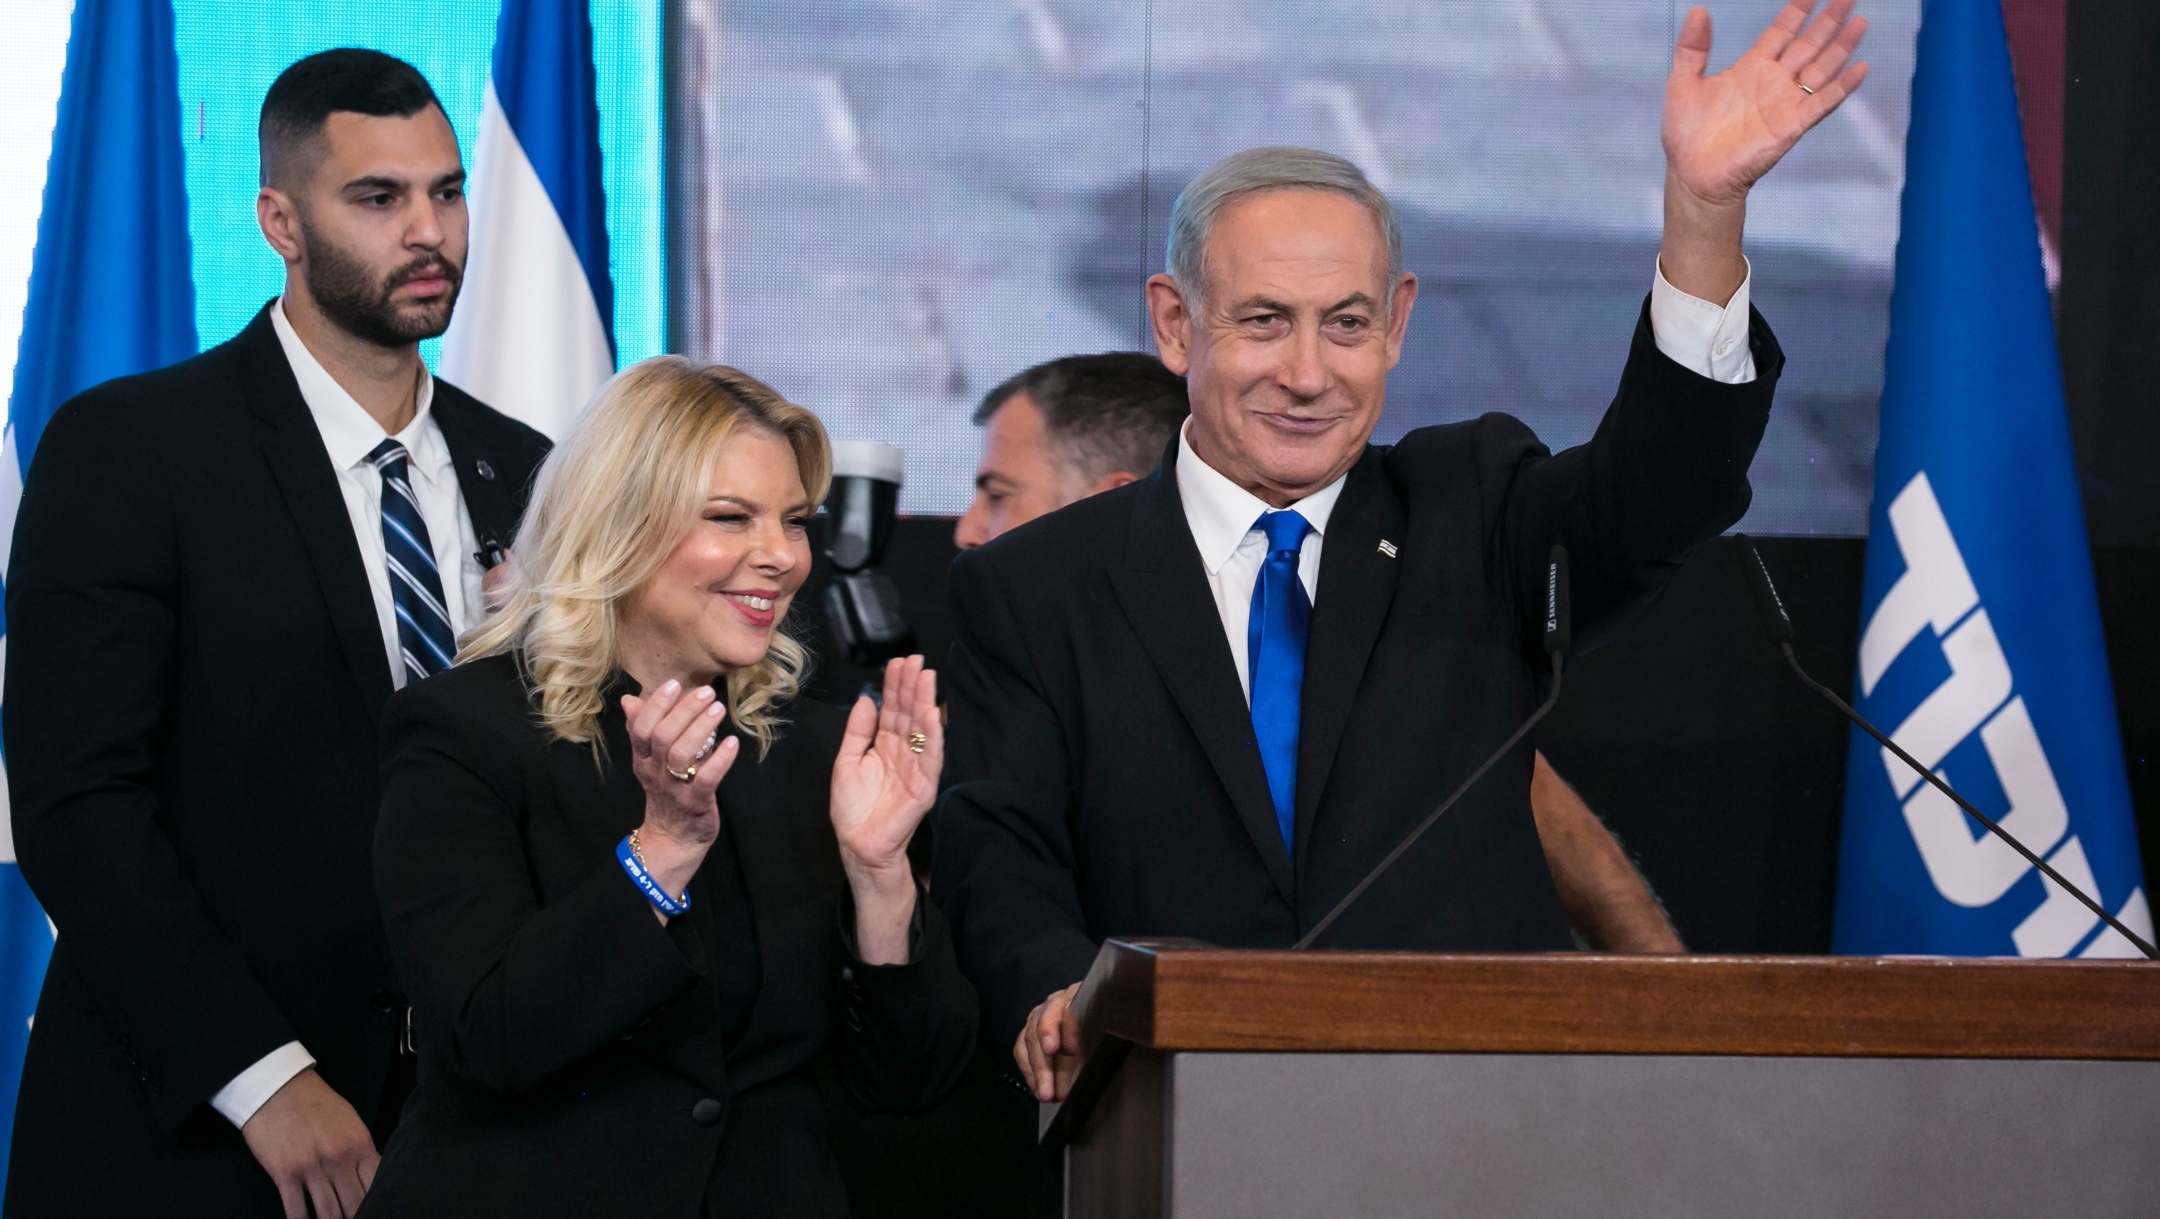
<point>1707,339</point>
<point>350,434</point>
<point>1224,519</point>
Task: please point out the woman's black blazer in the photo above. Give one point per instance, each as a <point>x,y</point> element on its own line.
<point>571,1058</point>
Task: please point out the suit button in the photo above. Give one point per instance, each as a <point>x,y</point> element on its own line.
<point>847,973</point>
<point>383,1001</point>
<point>706,1112</point>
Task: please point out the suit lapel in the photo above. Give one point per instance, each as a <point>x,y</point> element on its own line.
<point>491,500</point>
<point>301,465</point>
<point>1163,589</point>
<point>1357,585</point>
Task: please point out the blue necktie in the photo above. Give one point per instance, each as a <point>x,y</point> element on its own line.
<point>423,622</point>
<point>1275,633</point>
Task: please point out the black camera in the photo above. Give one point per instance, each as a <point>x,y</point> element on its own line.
<point>862,604</point>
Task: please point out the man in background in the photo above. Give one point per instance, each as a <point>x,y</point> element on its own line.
<point>1067,429</point>
<point>221,571</point>
<point>1071,428</point>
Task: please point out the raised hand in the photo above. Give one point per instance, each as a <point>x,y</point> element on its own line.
<point>1724,132</point>
<point>679,757</point>
<point>883,782</point>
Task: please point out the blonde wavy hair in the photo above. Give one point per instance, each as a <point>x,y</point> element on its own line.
<point>611,504</point>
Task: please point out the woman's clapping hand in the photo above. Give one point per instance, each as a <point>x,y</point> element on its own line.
<point>883,782</point>
<point>674,733</point>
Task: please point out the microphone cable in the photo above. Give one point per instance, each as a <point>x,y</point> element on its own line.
<point>1556,640</point>
<point>1771,608</point>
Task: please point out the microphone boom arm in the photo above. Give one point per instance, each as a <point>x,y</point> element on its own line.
<point>1771,609</point>
<point>1965,804</point>
<point>1306,940</point>
<point>1558,634</point>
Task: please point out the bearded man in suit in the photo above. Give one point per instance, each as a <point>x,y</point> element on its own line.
<point>221,571</point>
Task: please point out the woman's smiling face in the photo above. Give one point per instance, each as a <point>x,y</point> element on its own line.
<point>713,605</point>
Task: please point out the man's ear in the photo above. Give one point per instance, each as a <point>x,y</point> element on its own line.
<point>1398,322</point>
<point>1110,482</point>
<point>279,218</point>
<point>1172,321</point>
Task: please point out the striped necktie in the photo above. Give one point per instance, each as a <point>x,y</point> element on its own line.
<point>423,622</point>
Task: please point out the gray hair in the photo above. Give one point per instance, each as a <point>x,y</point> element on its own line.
<point>1283,167</point>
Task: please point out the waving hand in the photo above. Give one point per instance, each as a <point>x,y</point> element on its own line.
<point>1724,132</point>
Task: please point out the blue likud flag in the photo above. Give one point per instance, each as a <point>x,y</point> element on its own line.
<point>1981,634</point>
<point>111,293</point>
<point>534,331</point>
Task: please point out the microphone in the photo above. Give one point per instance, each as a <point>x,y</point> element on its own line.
<point>1558,633</point>
<point>491,553</point>
<point>1771,608</point>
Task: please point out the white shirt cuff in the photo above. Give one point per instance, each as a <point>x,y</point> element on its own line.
<point>239,1099</point>
<point>1706,339</point>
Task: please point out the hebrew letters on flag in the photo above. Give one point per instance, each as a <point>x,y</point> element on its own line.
<point>1968,866</point>
<point>1980,636</point>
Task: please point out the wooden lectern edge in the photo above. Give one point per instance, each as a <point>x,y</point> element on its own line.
<point>1183,995</point>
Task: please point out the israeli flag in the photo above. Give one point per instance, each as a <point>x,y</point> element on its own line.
<point>112,292</point>
<point>534,331</point>
<point>1981,633</point>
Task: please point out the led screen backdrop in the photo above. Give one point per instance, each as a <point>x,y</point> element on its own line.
<point>917,198</point>
<point>230,51</point>
<point>912,199</point>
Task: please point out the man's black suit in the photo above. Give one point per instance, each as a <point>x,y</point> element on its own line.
<point>194,678</point>
<point>1103,775</point>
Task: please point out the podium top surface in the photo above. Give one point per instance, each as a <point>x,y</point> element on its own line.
<point>1181,996</point>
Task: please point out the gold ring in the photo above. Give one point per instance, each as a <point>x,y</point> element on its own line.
<point>915,742</point>
<point>1805,89</point>
<point>686,774</point>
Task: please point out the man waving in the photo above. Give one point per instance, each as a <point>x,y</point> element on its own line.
<point>1207,703</point>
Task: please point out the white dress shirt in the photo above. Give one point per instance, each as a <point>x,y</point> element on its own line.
<point>1706,339</point>
<point>350,434</point>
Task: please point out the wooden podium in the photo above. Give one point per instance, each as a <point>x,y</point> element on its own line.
<point>1257,1084</point>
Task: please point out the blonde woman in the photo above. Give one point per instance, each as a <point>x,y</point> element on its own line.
<point>640,895</point>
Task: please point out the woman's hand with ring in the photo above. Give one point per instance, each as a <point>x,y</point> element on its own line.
<point>883,783</point>
<point>673,734</point>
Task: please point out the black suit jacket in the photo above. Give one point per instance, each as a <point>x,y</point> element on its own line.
<point>194,677</point>
<point>1104,779</point>
<point>571,1056</point>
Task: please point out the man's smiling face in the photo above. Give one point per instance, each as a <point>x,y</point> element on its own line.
<point>1287,353</point>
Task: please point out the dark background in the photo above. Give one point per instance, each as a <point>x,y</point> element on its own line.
<point>2108,329</point>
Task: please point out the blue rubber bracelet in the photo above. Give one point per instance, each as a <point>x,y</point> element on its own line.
<point>639,874</point>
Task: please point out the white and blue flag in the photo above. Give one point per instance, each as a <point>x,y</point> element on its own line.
<point>533,335</point>
<point>1980,633</point>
